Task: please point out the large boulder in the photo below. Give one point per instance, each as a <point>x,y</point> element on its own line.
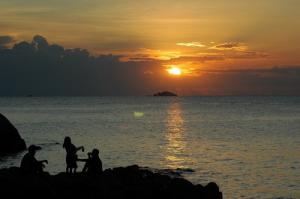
<point>10,139</point>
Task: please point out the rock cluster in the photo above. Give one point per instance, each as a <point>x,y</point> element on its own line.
<point>123,182</point>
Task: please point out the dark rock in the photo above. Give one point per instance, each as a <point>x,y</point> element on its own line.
<point>211,190</point>
<point>10,139</point>
<point>130,182</point>
<point>165,93</point>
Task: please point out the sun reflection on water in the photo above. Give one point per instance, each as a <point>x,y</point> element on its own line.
<point>175,149</point>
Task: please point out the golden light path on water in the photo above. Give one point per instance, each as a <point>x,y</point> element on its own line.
<point>175,148</point>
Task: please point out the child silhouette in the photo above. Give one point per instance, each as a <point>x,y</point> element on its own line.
<point>93,165</point>
<point>71,158</point>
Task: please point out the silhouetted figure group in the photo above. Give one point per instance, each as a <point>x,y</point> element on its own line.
<point>93,164</point>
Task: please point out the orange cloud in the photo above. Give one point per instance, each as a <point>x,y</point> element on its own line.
<point>230,46</point>
<point>248,55</point>
<point>144,54</point>
<point>191,44</point>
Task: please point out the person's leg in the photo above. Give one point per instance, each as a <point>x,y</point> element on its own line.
<point>85,168</point>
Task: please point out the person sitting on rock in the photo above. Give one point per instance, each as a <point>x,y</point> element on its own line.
<point>93,164</point>
<point>30,164</point>
<point>71,158</point>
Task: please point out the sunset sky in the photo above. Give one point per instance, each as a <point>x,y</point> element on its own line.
<point>215,44</point>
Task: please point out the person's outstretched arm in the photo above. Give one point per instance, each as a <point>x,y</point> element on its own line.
<point>80,148</point>
<point>82,160</point>
<point>43,161</point>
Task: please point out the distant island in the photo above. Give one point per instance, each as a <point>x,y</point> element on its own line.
<point>165,93</point>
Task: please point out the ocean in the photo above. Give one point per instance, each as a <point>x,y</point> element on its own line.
<point>249,146</point>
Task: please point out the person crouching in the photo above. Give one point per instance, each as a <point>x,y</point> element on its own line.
<point>93,165</point>
<point>30,164</point>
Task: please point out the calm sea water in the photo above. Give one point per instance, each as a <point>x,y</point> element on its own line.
<point>250,146</point>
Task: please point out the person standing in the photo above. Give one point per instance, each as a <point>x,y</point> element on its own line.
<point>71,158</point>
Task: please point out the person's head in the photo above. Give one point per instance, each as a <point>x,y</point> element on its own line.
<point>33,148</point>
<point>67,141</point>
<point>95,152</point>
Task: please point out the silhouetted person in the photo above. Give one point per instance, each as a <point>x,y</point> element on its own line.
<point>93,164</point>
<point>71,158</point>
<point>30,164</point>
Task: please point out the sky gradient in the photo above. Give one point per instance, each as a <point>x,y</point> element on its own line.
<point>222,47</point>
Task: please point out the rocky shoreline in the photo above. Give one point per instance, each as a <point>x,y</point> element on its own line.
<point>122,182</point>
<point>10,139</point>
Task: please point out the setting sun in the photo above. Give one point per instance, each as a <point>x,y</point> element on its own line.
<point>174,71</point>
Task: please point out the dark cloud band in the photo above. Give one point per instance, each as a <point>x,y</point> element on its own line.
<point>5,40</point>
<point>44,69</point>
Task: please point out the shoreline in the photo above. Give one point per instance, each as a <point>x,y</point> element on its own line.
<point>121,182</point>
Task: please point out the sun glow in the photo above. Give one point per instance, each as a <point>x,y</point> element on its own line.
<point>174,71</point>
